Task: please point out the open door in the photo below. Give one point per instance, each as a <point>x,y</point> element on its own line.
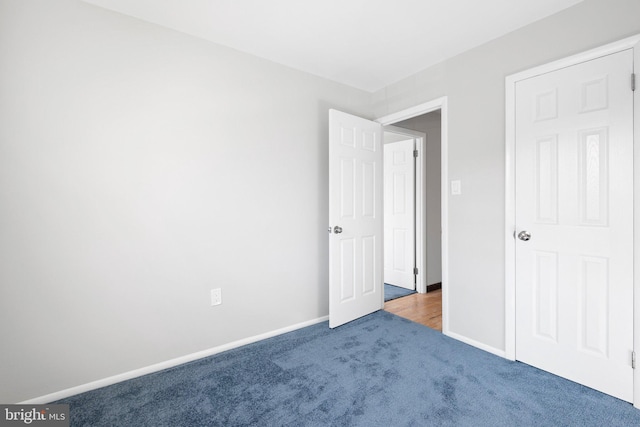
<point>400,214</point>
<point>356,284</point>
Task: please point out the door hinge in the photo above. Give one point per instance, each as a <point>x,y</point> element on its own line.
<point>633,82</point>
<point>415,270</point>
<point>415,153</point>
<point>633,360</point>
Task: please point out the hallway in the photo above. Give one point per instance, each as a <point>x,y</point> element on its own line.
<point>425,309</point>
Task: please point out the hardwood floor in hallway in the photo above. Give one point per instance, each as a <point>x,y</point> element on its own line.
<point>425,309</point>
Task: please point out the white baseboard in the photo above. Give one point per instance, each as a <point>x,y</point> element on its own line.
<point>477,344</point>
<point>52,397</point>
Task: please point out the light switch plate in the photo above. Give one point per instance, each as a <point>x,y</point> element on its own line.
<point>456,187</point>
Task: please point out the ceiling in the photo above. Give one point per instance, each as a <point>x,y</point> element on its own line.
<point>367,44</point>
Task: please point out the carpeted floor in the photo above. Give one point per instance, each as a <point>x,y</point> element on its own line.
<point>380,370</point>
<point>393,292</point>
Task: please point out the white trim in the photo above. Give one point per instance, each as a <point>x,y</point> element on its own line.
<point>589,55</point>
<point>510,226</point>
<point>427,107</point>
<point>409,113</point>
<point>421,213</point>
<point>509,223</point>
<point>477,344</point>
<point>167,364</point>
<point>421,218</point>
<point>444,190</point>
<point>636,228</point>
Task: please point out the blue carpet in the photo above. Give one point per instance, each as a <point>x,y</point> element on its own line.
<point>380,370</point>
<point>393,292</point>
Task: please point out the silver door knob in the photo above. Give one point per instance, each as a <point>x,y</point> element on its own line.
<point>337,229</point>
<point>524,235</point>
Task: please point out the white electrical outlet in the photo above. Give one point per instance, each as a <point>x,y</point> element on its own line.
<point>216,296</point>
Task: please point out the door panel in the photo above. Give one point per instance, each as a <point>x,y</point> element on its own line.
<point>574,194</point>
<point>355,205</point>
<point>399,214</point>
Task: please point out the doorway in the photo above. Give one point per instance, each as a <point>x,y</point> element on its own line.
<point>425,131</point>
<point>355,226</point>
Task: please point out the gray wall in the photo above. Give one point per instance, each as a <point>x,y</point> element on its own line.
<point>139,168</point>
<point>474,83</point>
<point>430,124</point>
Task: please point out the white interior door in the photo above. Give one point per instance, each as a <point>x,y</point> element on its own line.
<point>356,285</point>
<point>574,196</point>
<point>399,214</point>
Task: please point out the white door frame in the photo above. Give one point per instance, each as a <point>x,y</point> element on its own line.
<point>510,226</point>
<point>420,213</point>
<point>428,107</point>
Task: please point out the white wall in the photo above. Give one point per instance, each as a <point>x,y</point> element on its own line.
<point>139,168</point>
<point>431,125</point>
<point>474,84</point>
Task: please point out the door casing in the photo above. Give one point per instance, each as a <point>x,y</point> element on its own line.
<point>510,225</point>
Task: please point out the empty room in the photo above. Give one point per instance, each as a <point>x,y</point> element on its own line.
<point>204,202</point>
